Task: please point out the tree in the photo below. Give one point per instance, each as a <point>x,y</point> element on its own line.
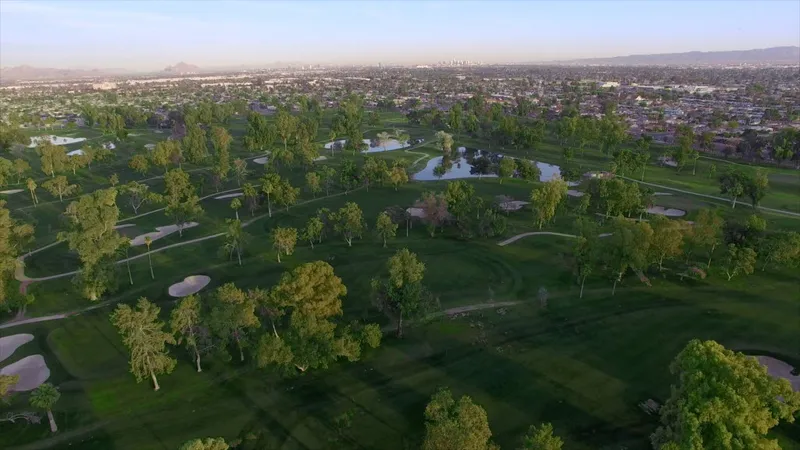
<point>349,176</point>
<point>286,126</point>
<point>259,133</point>
<point>6,383</point>
<point>236,205</point>
<point>271,184</point>
<point>739,260</point>
<point>143,335</point>
<point>221,142</point>
<point>435,211</point>
<point>667,239</point>
<point>184,322</point>
<point>541,438</point>
<point>723,400</point>
<point>349,222</point>
<point>401,295</point>
<point>138,194</point>
<point>148,241</point>
<point>398,176</point>
<point>91,233</point>
<point>587,251</point>
<point>53,158</point>
<point>707,231</point>
<point>31,185</point>
<point>506,168</point>
<point>451,425</point>
<point>444,141</point>
<point>328,174</point>
<point>527,170</point>
<point>284,241</point>
<point>233,315</point>
<point>139,164</point>
<point>546,199</point>
<point>113,180</point>
<point>182,204</point>
<point>313,181</point>
<point>240,170</point>
<point>628,247</point>
<point>45,397</point>
<point>733,184</point>
<point>21,167</point>
<point>195,145</point>
<point>161,155</point>
<point>383,139</point>
<point>235,238</point>
<point>313,231</point>
<point>251,197</point>
<point>205,444</point>
<point>756,187</point>
<point>385,228</point>
<point>781,249</point>
<point>286,194</point>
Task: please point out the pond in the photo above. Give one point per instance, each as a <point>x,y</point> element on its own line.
<point>372,144</point>
<point>475,163</point>
<point>55,140</point>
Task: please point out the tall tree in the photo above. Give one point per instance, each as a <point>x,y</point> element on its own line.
<point>146,340</point>
<point>444,141</point>
<point>182,203</point>
<point>184,322</point>
<point>739,260</point>
<point>240,170</point>
<point>627,248</point>
<point>401,294</point>
<point>707,231</point>
<point>506,168</point>
<point>313,231</point>
<point>271,184</point>
<point>31,185</point>
<point>205,444</point>
<point>546,199</point>
<point>233,315</point>
<point>667,239</point>
<point>139,164</point>
<point>59,186</point>
<point>92,234</point>
<point>349,222</point>
<point>733,185</point>
<point>195,144</point>
<point>284,241</point>
<point>138,194</point>
<point>455,425</point>
<point>313,182</point>
<point>723,400</point>
<point>757,186</point>
<point>286,126</point>
<point>45,397</point>
<point>235,239</point>
<point>161,155</point>
<point>251,197</point>
<point>541,438</point>
<point>385,227</point>
<point>53,158</point>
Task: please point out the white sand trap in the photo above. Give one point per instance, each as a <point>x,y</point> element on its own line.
<point>235,194</point>
<point>9,344</point>
<point>574,193</point>
<point>124,225</point>
<point>595,174</point>
<point>514,205</point>
<point>669,212</point>
<point>416,212</point>
<point>11,191</point>
<point>109,146</point>
<point>32,371</point>
<point>190,285</point>
<point>667,161</point>
<point>320,158</point>
<point>160,233</point>
<point>262,160</point>
<point>75,152</point>
<point>779,369</point>
<point>158,131</point>
<point>149,146</point>
<point>56,140</point>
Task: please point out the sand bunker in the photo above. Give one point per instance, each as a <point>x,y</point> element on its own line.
<point>514,205</point>
<point>55,140</point>
<point>160,233</point>
<point>670,212</point>
<point>11,191</point>
<point>190,285</point>
<point>263,160</point>
<point>149,146</point>
<point>416,212</point>
<point>574,193</point>
<point>667,161</point>
<point>595,174</point>
<point>235,194</point>
<point>32,371</point>
<point>320,158</point>
<point>78,152</point>
<point>779,369</point>
<point>9,344</point>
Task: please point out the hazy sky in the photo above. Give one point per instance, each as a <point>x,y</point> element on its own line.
<point>149,34</point>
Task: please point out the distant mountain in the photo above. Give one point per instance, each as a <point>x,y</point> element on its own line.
<point>773,55</point>
<point>41,73</point>
<point>182,68</point>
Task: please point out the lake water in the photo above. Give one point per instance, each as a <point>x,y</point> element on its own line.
<point>56,140</point>
<point>391,144</point>
<point>463,169</point>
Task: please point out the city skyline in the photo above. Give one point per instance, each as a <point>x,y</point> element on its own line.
<point>151,35</point>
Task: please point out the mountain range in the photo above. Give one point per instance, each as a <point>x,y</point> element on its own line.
<point>772,55</point>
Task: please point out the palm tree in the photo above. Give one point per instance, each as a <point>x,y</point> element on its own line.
<point>235,205</point>
<point>234,239</point>
<point>332,136</point>
<point>148,242</point>
<point>44,397</point>
<point>32,187</point>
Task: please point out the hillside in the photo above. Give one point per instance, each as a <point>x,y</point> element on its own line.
<point>773,55</point>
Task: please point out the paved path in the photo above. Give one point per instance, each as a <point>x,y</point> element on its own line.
<point>513,239</point>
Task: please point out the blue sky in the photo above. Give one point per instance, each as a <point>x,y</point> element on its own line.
<point>150,34</point>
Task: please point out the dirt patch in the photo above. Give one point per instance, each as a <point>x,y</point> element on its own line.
<point>10,344</point>
<point>32,371</point>
<point>190,285</point>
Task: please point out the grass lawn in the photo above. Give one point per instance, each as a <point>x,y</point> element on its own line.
<point>582,364</point>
